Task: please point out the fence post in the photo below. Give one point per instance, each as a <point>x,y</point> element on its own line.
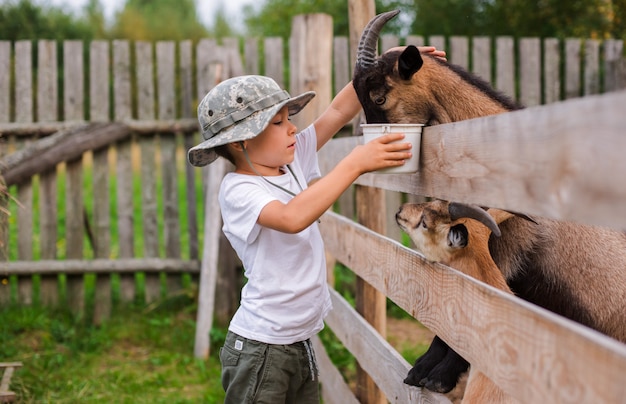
<point>370,205</point>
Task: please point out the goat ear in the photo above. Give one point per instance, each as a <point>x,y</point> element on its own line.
<point>409,62</point>
<point>457,236</point>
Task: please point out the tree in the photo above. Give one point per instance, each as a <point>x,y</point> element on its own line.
<point>28,20</point>
<point>154,20</point>
<point>275,16</point>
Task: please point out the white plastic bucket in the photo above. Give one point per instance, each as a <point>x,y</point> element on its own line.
<point>412,134</point>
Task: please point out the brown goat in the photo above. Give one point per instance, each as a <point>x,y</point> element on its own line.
<point>450,233</point>
<point>574,270</point>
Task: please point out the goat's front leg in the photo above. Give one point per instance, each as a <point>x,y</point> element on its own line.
<point>439,369</point>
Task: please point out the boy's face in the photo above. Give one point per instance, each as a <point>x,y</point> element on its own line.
<point>275,146</point>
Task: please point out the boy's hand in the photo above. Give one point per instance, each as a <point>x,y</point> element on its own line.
<point>380,153</point>
<point>431,50</point>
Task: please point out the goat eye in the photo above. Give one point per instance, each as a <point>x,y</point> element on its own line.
<point>380,100</point>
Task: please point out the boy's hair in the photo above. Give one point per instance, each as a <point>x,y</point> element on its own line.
<point>222,151</point>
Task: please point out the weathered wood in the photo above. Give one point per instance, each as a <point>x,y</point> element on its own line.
<point>541,161</point>
<point>529,367</point>
<point>141,127</point>
<point>208,269</point>
<point>5,286</point>
<point>73,100</point>
<point>386,366</point>
<point>43,155</point>
<point>505,66</point>
<point>5,82</point>
<point>24,113</point>
<point>7,396</point>
<point>47,107</point>
<point>102,266</point>
<point>551,68</point>
<point>165,53</point>
<point>334,388</point>
<point>124,169</point>
<point>530,71</point>
<point>360,13</point>
<point>274,54</point>
<point>572,73</point>
<point>99,110</point>
<point>459,51</point>
<point>148,167</point>
<point>592,67</point>
<point>614,62</point>
<point>251,55</point>
<point>307,73</point>
<point>189,140</point>
<point>481,57</point>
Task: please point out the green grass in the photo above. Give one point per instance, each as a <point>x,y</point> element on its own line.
<point>139,356</point>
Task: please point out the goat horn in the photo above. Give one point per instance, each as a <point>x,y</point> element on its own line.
<point>460,210</point>
<point>366,52</point>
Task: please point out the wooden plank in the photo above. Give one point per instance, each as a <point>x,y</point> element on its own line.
<point>592,67</point>
<point>530,71</point>
<point>5,91</point>
<point>251,55</point>
<point>342,69</point>
<point>99,110</point>
<point>385,365</point>
<point>102,266</point>
<point>505,66</point>
<point>274,57</point>
<point>189,140</point>
<point>541,161</point>
<point>148,168</point>
<point>167,110</point>
<point>481,57</point>
<point>613,64</point>
<point>438,41</point>
<point>44,154</point>
<point>47,107</point>
<point>388,41</point>
<point>416,40</point>
<point>334,390</point>
<point>509,352</point>
<point>208,269</point>
<point>307,73</point>
<point>551,70</point>
<point>572,68</point>
<point>124,170</point>
<point>140,127</point>
<point>24,113</point>
<point>459,51</point>
<point>5,80</point>
<point>73,103</point>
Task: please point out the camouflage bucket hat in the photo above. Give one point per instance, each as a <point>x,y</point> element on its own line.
<point>239,109</point>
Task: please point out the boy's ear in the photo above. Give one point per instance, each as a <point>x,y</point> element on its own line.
<point>238,146</point>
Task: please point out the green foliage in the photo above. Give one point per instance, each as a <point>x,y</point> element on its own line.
<point>156,20</point>
<point>273,18</point>
<point>24,19</point>
<point>519,18</point>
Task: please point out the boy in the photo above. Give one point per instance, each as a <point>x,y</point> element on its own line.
<point>270,206</point>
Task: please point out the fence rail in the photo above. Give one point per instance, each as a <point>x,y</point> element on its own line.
<point>140,202</point>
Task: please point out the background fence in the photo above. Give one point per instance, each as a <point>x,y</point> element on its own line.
<point>126,217</point>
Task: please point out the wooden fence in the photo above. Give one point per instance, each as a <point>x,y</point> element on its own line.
<point>140,196</point>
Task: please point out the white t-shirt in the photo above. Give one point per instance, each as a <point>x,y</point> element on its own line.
<point>286,295</point>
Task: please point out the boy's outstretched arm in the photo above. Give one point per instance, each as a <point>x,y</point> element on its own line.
<point>307,206</point>
<point>345,106</point>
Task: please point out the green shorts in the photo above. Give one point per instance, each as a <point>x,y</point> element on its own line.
<point>256,372</point>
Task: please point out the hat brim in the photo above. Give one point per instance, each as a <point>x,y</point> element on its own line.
<point>247,128</point>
